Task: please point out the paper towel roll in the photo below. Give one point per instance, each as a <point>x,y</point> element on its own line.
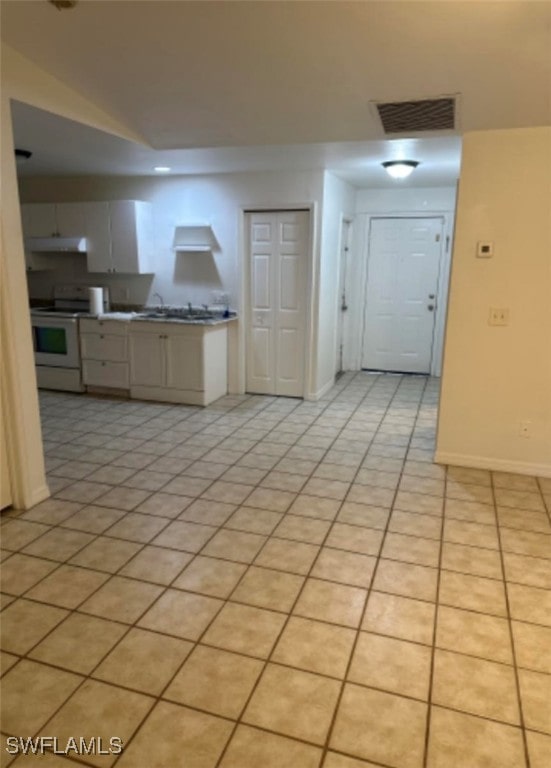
<point>95,297</point>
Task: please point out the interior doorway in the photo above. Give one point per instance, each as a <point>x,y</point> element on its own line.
<point>403,270</point>
<point>276,321</point>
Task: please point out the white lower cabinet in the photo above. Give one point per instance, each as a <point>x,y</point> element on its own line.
<point>178,363</point>
<point>147,359</point>
<point>104,352</point>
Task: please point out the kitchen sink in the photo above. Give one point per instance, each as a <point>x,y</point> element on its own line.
<point>177,315</point>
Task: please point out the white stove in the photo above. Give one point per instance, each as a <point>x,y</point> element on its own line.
<point>56,338</point>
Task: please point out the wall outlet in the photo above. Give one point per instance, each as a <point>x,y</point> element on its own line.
<point>220,298</point>
<point>498,316</point>
<point>525,429</point>
<point>119,293</point>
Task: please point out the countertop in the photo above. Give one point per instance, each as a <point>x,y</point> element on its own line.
<point>139,317</point>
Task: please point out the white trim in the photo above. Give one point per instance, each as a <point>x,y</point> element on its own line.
<point>488,462</point>
<point>17,377</point>
<point>313,396</point>
<point>38,494</point>
<point>346,220</point>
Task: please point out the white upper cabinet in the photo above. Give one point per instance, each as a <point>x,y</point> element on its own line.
<point>131,236</point>
<point>119,234</point>
<point>38,220</point>
<point>120,237</point>
<point>98,237</point>
<point>53,219</point>
<point>70,219</point>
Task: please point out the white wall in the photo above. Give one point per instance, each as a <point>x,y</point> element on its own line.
<point>496,377</point>
<point>405,200</point>
<point>338,204</point>
<point>391,202</point>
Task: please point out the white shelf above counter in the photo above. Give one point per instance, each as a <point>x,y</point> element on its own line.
<point>193,248</point>
<point>195,238</point>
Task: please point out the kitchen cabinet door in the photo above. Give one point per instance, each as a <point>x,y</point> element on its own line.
<point>38,262</point>
<point>103,347</point>
<point>52,219</point>
<point>70,219</point>
<point>34,262</point>
<point>131,236</point>
<point>105,374</point>
<point>184,360</point>
<point>39,220</point>
<point>98,237</point>
<point>147,359</point>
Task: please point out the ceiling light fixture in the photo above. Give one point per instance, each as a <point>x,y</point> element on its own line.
<point>161,169</point>
<point>400,169</point>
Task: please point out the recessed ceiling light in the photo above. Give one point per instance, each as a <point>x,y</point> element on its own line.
<point>161,169</point>
<point>400,169</point>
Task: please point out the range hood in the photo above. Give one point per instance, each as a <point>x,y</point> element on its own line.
<point>56,244</point>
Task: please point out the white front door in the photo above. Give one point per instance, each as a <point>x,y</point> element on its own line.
<point>278,251</point>
<point>402,286</point>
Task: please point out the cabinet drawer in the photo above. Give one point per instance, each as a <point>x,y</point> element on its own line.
<point>104,346</point>
<point>113,327</point>
<point>105,374</point>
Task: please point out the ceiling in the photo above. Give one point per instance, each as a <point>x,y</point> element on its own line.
<point>63,147</point>
<point>218,86</point>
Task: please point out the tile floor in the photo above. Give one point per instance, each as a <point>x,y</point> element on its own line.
<point>270,583</point>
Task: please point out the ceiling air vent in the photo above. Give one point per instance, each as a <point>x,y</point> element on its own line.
<point>412,116</point>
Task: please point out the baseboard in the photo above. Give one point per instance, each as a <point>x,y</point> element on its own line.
<point>488,462</point>
<point>37,495</point>
<point>312,396</point>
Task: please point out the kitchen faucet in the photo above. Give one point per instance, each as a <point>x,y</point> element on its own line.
<point>160,299</point>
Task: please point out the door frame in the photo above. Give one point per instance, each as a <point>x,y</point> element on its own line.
<point>345,241</point>
<point>363,254</point>
<point>312,278</point>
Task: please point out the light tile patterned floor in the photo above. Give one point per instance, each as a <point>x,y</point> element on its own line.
<point>270,583</point>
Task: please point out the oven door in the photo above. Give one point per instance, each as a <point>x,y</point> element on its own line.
<point>55,341</point>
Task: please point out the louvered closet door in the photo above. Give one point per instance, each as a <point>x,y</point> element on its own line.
<point>278,243</point>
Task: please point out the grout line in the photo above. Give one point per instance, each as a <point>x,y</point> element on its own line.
<point>366,602</point>
<point>511,637</point>
<point>434,634</point>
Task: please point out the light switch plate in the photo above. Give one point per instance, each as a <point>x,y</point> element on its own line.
<point>498,316</point>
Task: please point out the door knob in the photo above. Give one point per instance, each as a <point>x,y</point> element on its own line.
<point>432,296</point>
<point>430,307</point>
